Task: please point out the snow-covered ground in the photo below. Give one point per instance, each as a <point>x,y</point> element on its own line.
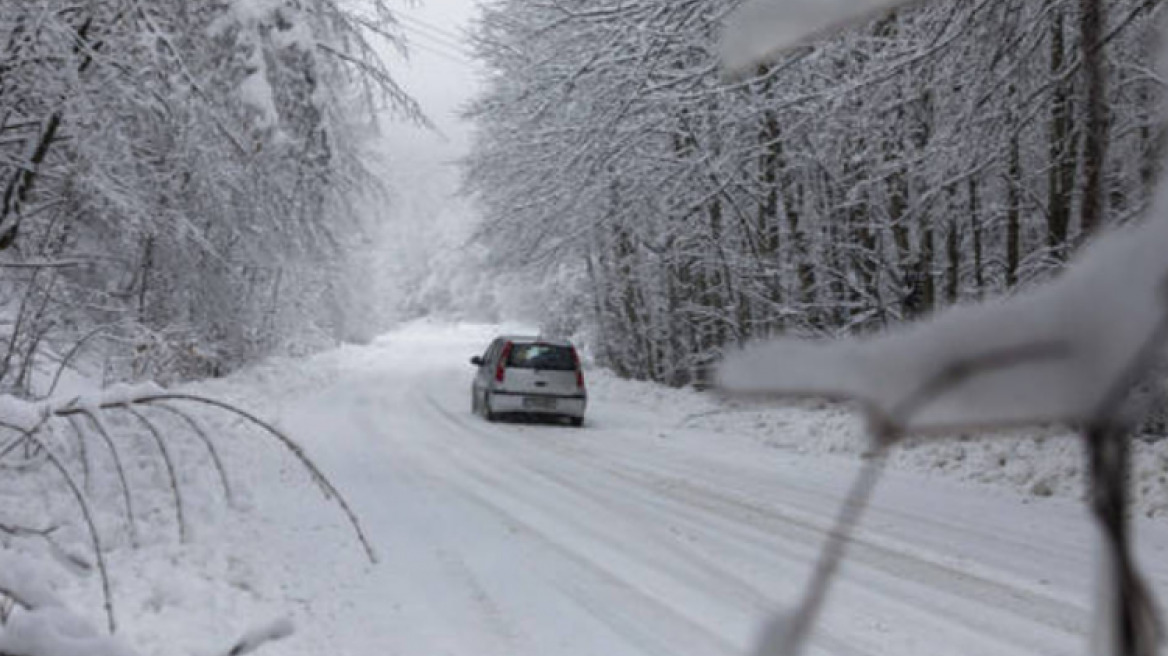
<point>672,523</point>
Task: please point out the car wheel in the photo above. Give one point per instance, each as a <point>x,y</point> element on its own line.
<point>491,416</point>
<point>576,421</point>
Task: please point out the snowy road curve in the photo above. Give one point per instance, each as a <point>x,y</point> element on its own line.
<point>634,535</point>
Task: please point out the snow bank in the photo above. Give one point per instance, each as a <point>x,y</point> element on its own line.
<point>55,631</point>
<point>240,565</point>
<point>22,580</point>
<point>40,624</point>
<point>1045,461</point>
<point>19,413</point>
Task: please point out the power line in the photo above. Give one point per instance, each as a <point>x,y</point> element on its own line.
<point>453,36</point>
<point>432,42</point>
<point>436,41</point>
<point>457,58</point>
<point>428,43</point>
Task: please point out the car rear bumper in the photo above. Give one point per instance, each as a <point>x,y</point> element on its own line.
<point>510,402</point>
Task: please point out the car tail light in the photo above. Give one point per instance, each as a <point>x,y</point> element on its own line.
<point>500,372</point>
<point>579,371</point>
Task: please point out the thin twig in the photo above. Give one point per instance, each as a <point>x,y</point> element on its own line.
<point>127,500</point>
<point>170,469</point>
<point>14,443</point>
<point>46,534</point>
<point>206,440</point>
<point>24,531</point>
<point>94,537</point>
<point>47,264</point>
<point>72,352</point>
<point>329,490</point>
<point>83,454</point>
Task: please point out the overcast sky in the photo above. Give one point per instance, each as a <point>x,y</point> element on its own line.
<point>439,74</point>
<point>427,228</point>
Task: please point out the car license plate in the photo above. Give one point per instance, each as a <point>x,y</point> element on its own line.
<point>539,403</point>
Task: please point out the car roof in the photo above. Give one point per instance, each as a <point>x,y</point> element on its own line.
<point>528,339</point>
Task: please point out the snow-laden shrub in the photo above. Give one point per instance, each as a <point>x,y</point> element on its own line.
<point>110,471</point>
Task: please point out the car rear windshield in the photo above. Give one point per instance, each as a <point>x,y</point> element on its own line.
<point>541,356</point>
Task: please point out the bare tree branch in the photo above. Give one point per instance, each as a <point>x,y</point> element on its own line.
<point>164,451</point>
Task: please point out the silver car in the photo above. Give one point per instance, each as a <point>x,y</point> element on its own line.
<point>529,376</point>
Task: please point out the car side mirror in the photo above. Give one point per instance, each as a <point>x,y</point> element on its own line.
<point>477,360</point>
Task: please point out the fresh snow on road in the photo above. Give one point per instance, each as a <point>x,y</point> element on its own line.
<point>670,524</point>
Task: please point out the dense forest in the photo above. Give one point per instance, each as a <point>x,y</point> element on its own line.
<point>180,179</point>
<point>932,156</point>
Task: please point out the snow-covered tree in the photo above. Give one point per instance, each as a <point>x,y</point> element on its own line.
<point>187,171</point>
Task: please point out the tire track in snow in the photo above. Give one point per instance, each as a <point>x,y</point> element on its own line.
<point>512,490</point>
<point>864,548</point>
<point>507,637</point>
<point>889,575</point>
<point>603,568</point>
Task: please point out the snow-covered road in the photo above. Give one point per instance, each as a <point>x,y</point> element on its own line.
<point>636,535</point>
